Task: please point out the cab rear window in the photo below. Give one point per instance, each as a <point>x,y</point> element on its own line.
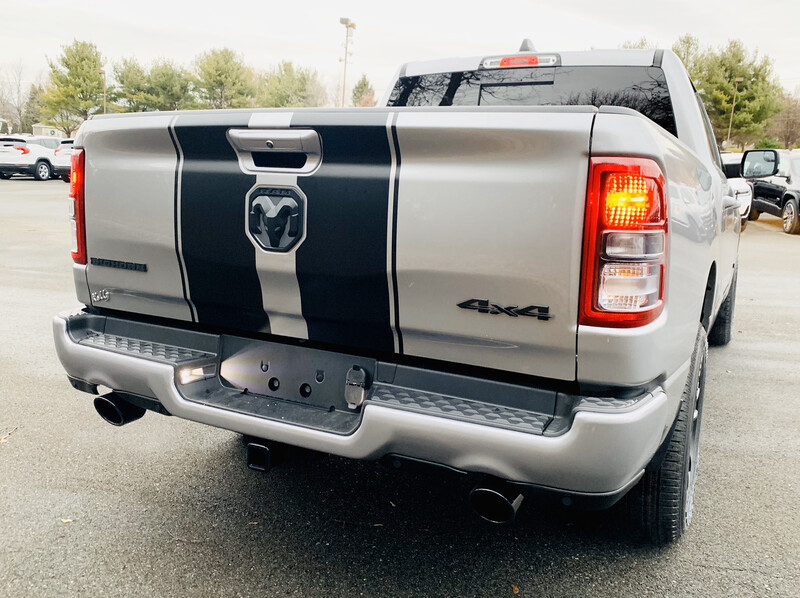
<point>643,89</point>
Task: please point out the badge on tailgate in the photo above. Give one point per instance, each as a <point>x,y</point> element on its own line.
<point>276,216</point>
<point>484,306</point>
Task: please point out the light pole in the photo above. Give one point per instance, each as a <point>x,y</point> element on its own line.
<point>736,82</point>
<point>103,72</point>
<point>348,28</point>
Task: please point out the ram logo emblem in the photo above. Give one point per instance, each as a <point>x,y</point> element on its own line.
<point>275,217</point>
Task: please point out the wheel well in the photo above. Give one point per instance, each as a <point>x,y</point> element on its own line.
<point>786,197</point>
<point>708,297</point>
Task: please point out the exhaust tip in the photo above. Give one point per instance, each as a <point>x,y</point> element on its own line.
<point>116,410</point>
<point>495,501</point>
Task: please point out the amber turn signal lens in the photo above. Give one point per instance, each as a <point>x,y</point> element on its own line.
<point>629,200</point>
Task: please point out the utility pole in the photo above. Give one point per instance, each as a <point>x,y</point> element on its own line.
<point>736,82</point>
<point>349,26</point>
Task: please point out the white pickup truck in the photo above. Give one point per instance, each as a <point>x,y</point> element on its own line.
<point>511,269</point>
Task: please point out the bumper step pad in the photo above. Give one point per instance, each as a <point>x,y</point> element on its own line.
<point>461,409</point>
<point>145,349</point>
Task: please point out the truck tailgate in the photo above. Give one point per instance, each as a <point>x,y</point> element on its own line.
<point>445,234</point>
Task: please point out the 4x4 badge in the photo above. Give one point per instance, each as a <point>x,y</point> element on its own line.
<point>484,306</point>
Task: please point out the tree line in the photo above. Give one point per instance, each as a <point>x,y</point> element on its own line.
<point>742,96</point>
<point>78,86</point>
<point>731,81</point>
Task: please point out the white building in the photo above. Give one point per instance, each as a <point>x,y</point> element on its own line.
<point>47,130</point>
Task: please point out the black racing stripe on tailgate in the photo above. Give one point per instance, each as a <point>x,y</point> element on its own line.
<point>176,216</point>
<point>220,260</point>
<point>396,183</point>
<point>341,265</point>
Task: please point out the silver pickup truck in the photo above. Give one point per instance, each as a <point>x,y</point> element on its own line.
<point>511,270</point>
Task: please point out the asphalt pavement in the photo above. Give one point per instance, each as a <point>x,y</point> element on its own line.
<point>166,507</point>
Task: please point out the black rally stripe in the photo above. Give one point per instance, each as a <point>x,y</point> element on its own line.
<point>220,260</point>
<point>176,217</point>
<point>341,265</point>
<point>396,183</point>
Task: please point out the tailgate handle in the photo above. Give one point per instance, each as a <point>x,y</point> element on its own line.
<point>277,150</point>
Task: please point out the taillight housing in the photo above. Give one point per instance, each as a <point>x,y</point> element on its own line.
<point>625,243</point>
<point>23,149</point>
<point>77,212</point>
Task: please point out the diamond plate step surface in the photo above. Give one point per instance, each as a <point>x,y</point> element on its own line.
<point>144,349</point>
<point>460,409</point>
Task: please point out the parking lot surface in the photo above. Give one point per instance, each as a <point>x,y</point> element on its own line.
<point>166,507</point>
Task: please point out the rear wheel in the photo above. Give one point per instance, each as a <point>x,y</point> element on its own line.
<point>661,505</point>
<point>720,334</point>
<point>43,171</point>
<point>791,219</point>
<point>754,214</point>
<point>4,175</point>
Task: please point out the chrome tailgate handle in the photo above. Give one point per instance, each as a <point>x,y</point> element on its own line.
<point>277,150</point>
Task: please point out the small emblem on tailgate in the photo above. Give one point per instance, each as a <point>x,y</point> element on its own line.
<point>484,306</point>
<point>97,261</point>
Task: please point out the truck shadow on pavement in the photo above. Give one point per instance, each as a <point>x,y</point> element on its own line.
<point>338,527</point>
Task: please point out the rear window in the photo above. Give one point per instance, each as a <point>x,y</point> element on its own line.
<point>48,142</point>
<point>643,89</point>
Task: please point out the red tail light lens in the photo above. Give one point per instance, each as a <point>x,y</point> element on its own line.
<point>24,150</point>
<point>625,243</point>
<point>77,212</point>
<point>629,200</point>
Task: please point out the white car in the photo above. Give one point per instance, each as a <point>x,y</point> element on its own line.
<point>62,160</point>
<point>740,188</point>
<point>24,155</point>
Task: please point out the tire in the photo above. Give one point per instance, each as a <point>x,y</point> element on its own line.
<point>754,214</point>
<point>791,218</point>
<point>722,329</point>
<point>4,176</point>
<point>661,505</point>
<point>43,171</point>
<point>744,224</point>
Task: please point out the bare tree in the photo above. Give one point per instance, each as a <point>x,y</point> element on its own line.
<point>14,96</point>
<point>786,124</point>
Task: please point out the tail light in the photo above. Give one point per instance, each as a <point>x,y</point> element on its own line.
<point>24,150</point>
<point>77,213</point>
<point>625,243</point>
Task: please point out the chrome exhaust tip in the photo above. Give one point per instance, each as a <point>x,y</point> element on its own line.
<point>495,500</point>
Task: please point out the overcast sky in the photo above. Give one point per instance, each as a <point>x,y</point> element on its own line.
<point>387,34</point>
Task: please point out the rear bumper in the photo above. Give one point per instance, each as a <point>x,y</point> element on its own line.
<point>587,446</point>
